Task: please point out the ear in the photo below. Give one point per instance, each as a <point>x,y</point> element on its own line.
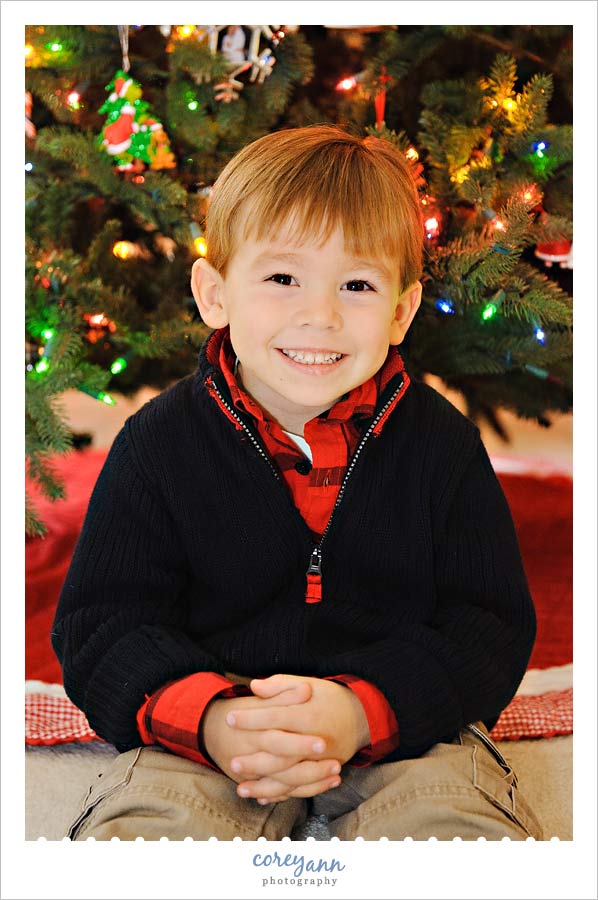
<point>207,285</point>
<point>407,306</point>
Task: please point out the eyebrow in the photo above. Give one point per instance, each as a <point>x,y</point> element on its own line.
<point>294,258</point>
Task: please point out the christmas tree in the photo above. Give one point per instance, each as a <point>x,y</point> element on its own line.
<point>127,128</point>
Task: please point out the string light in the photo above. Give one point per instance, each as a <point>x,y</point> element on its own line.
<point>185,31</point>
<point>489,311</point>
<point>54,47</point>
<point>432,226</point>
<point>539,147</point>
<point>509,103</point>
<point>445,306</point>
<point>73,100</point>
<point>28,51</point>
<point>347,84</point>
<point>99,395</point>
<point>540,335</point>
<point>42,366</point>
<point>119,365</point>
<point>124,249</point>
<point>412,155</point>
<point>192,105</point>
<point>201,247</point>
<point>29,167</point>
<point>48,334</point>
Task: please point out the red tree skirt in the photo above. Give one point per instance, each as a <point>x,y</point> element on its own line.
<point>543,516</point>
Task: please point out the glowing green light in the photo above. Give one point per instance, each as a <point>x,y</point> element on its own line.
<point>118,365</point>
<point>489,311</point>
<point>42,366</point>
<point>539,154</point>
<point>48,333</point>
<point>55,47</point>
<point>106,398</point>
<point>193,105</point>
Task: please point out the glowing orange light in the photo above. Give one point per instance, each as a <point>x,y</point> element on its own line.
<point>412,154</point>
<point>123,249</point>
<point>138,179</point>
<point>97,319</point>
<point>201,248</point>
<point>73,97</point>
<point>500,226</point>
<point>347,84</point>
<point>509,103</point>
<point>185,31</point>
<point>528,195</point>
<point>28,51</point>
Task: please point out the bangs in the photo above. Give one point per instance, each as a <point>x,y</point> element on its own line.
<point>306,189</point>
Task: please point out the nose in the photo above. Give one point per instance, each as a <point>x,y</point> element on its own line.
<point>320,309</point>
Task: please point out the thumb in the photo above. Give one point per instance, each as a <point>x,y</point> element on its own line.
<point>287,689</point>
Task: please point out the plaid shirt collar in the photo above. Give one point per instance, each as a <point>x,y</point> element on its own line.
<point>359,404</point>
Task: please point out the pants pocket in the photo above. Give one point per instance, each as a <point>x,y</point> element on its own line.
<point>497,781</point>
<point>105,786</point>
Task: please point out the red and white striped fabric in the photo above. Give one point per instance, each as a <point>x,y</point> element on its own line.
<point>542,707</point>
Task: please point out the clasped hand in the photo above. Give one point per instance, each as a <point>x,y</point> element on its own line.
<point>289,739</point>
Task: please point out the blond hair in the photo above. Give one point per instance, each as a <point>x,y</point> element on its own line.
<point>316,179</point>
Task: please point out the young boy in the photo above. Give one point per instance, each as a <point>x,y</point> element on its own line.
<point>298,588</point>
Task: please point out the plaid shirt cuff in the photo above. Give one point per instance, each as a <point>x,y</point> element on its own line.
<point>172,715</point>
<point>384,730</point>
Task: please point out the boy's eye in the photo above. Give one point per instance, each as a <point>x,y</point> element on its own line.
<point>281,278</point>
<point>358,285</point>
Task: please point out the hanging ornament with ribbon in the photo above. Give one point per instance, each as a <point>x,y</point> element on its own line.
<point>380,85</point>
<point>132,136</point>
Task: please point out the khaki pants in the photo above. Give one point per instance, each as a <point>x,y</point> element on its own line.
<point>464,789</point>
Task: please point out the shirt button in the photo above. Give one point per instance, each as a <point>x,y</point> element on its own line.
<point>303,467</point>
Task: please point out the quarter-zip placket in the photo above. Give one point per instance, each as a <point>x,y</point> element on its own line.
<point>240,424</point>
<point>313,592</point>
<point>314,571</point>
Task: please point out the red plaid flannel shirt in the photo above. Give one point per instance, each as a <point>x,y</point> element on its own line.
<point>172,715</point>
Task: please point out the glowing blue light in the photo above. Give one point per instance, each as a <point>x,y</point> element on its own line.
<point>29,167</point>
<point>540,336</point>
<point>445,306</point>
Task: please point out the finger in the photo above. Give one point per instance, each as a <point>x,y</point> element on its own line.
<point>276,685</point>
<point>289,771</point>
<point>270,789</point>
<point>299,693</point>
<point>290,744</point>
<point>264,718</point>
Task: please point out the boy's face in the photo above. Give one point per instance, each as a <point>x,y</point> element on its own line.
<point>307,322</point>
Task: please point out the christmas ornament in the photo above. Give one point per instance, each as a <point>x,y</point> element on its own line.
<point>133,137</point>
<point>228,90</point>
<point>381,84</point>
<point>556,252</point>
<point>233,44</point>
<point>30,130</point>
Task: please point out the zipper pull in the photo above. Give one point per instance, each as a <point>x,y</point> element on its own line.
<point>313,593</point>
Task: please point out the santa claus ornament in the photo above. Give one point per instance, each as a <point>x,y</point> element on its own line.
<point>131,136</point>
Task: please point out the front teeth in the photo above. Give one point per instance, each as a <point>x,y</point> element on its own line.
<point>311,359</point>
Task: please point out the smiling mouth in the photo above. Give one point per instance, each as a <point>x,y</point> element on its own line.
<point>313,357</point>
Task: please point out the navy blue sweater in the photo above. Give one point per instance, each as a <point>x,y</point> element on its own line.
<point>193,558</point>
